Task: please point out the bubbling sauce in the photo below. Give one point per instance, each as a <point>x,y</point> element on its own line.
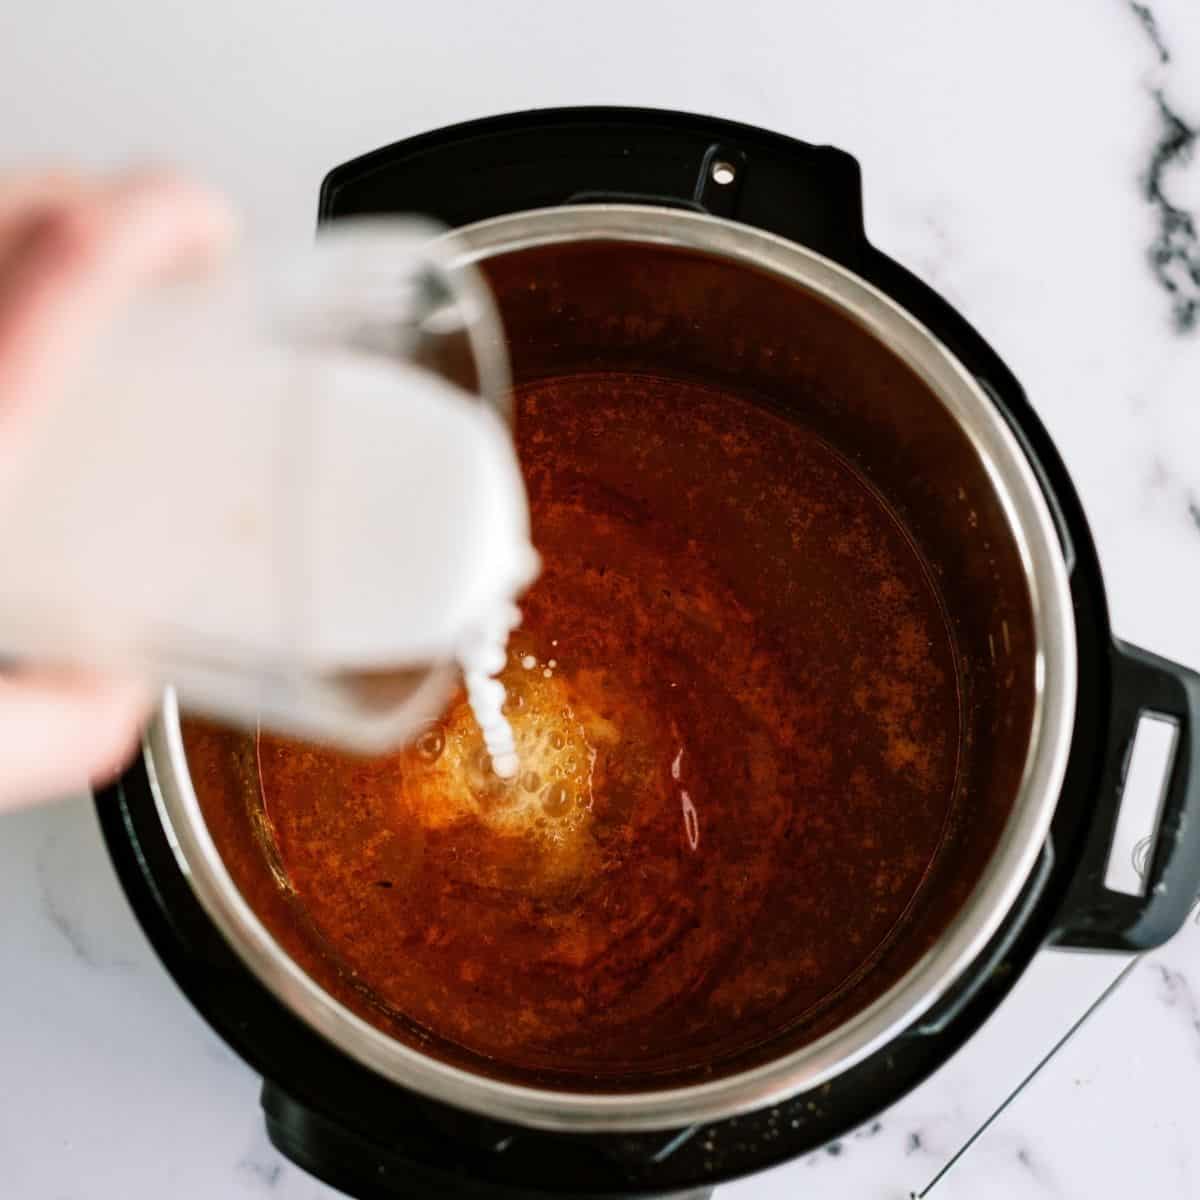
<point>736,718</point>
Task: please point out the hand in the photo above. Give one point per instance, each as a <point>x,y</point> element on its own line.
<point>73,250</point>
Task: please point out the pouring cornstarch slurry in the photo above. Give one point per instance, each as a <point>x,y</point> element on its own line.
<point>697,797</point>
<point>483,656</point>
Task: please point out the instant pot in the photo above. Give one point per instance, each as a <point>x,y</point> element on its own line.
<point>654,237</point>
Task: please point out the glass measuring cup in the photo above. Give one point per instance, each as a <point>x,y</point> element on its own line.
<point>286,489</point>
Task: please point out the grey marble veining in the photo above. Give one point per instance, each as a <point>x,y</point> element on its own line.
<point>1179,995</point>
<point>1174,253</point>
<point>65,869</point>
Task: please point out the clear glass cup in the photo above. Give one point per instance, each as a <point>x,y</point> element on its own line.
<point>287,489</point>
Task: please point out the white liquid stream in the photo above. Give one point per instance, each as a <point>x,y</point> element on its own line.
<point>483,656</point>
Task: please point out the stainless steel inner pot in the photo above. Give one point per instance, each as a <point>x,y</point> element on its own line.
<point>945,456</point>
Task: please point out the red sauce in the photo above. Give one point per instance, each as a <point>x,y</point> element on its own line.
<point>745,754</point>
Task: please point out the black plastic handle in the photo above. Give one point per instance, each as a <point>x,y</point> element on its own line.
<point>410,1146</point>
<point>1093,917</point>
<point>465,173</point>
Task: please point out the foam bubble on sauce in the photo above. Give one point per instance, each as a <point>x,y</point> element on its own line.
<point>482,656</point>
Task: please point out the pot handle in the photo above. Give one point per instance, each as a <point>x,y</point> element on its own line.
<point>806,193</point>
<point>377,1149</point>
<point>1093,916</point>
<point>812,196</point>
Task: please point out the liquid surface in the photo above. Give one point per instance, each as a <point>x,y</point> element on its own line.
<point>735,710</point>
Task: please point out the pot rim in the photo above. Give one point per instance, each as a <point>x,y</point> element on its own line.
<point>978,919</point>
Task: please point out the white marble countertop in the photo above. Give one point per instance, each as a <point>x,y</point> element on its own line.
<point>1026,158</point>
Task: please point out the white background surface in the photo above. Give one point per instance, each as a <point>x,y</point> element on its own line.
<point>1004,147</point>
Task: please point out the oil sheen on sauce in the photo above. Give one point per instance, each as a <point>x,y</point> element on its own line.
<point>736,719</point>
